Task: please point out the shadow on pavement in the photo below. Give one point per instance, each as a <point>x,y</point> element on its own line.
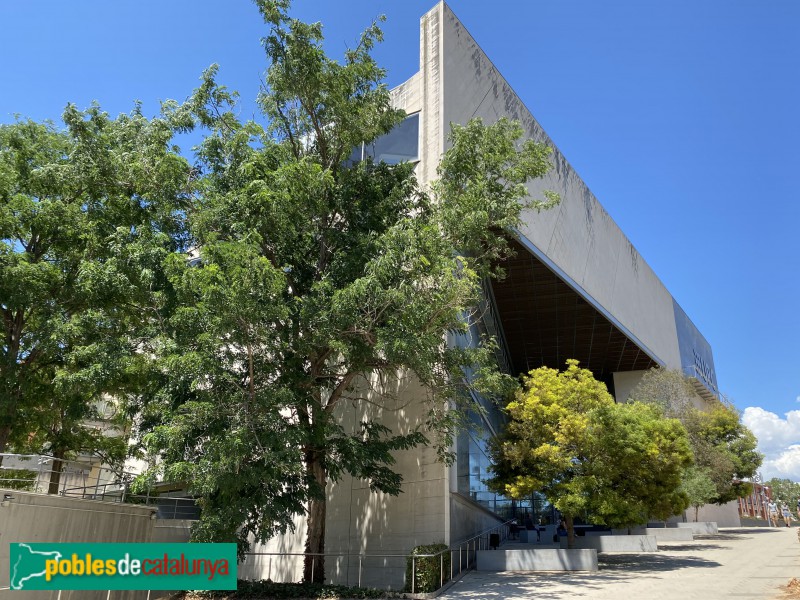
<point>732,534</point>
<point>479,585</point>
<point>643,563</point>
<point>618,570</point>
<point>692,547</point>
<point>542,586</point>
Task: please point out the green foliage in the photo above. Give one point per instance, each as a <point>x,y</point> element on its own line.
<point>727,448</point>
<point>784,490</point>
<point>618,464</point>
<point>483,178</point>
<point>320,285</point>
<point>87,213</point>
<point>428,572</point>
<point>669,390</point>
<point>639,460</point>
<point>317,284</point>
<point>256,590</point>
<point>698,485</point>
<point>18,479</point>
<point>721,444</point>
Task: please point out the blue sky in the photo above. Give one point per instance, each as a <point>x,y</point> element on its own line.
<point>682,117</point>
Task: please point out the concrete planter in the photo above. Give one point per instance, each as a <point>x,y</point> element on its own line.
<point>616,543</point>
<point>529,536</point>
<point>663,534</point>
<point>701,527</point>
<point>538,559</point>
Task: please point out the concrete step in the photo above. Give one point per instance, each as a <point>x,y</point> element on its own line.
<point>701,527</point>
<point>536,559</point>
<point>616,543</point>
<point>663,534</point>
<point>516,545</point>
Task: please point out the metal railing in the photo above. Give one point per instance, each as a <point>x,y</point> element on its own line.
<point>38,473</point>
<point>468,549</point>
<point>88,481</point>
<point>349,568</point>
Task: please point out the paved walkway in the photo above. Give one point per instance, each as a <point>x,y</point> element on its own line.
<point>747,562</point>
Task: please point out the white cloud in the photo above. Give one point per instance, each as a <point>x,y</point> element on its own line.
<point>778,439</point>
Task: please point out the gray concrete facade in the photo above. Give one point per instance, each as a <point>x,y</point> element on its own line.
<point>578,239</point>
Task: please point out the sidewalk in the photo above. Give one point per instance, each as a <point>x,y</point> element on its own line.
<point>747,562</point>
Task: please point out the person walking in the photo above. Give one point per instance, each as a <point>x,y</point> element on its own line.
<point>773,513</point>
<point>787,515</point>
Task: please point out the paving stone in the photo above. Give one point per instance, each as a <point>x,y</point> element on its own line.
<point>745,562</point>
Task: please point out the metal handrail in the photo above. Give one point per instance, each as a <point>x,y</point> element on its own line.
<point>467,550</point>
<point>476,541</point>
<point>486,532</point>
<point>88,481</point>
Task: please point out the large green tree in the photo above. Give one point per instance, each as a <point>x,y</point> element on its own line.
<point>721,444</point>
<point>87,213</point>
<point>316,280</point>
<point>616,464</point>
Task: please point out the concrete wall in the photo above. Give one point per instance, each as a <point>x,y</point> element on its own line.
<point>172,531</point>
<point>625,382</point>
<point>42,518</point>
<point>362,522</point>
<point>433,124</point>
<point>726,515</point>
<point>261,564</point>
<point>578,238</point>
<point>468,518</point>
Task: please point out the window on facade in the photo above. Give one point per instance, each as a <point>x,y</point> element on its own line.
<point>401,144</point>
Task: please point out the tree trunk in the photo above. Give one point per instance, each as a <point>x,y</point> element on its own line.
<point>314,563</point>
<point>55,474</point>
<point>570,531</point>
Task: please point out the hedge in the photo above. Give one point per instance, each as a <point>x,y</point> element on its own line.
<point>431,571</point>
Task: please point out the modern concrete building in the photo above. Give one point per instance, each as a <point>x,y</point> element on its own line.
<point>577,288</point>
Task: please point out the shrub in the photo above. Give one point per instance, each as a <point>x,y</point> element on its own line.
<point>431,571</point>
<point>18,479</point>
<point>257,590</point>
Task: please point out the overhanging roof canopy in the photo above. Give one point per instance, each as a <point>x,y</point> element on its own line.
<point>546,322</point>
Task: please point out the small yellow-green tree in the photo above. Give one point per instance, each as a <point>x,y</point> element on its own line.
<point>616,464</point>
